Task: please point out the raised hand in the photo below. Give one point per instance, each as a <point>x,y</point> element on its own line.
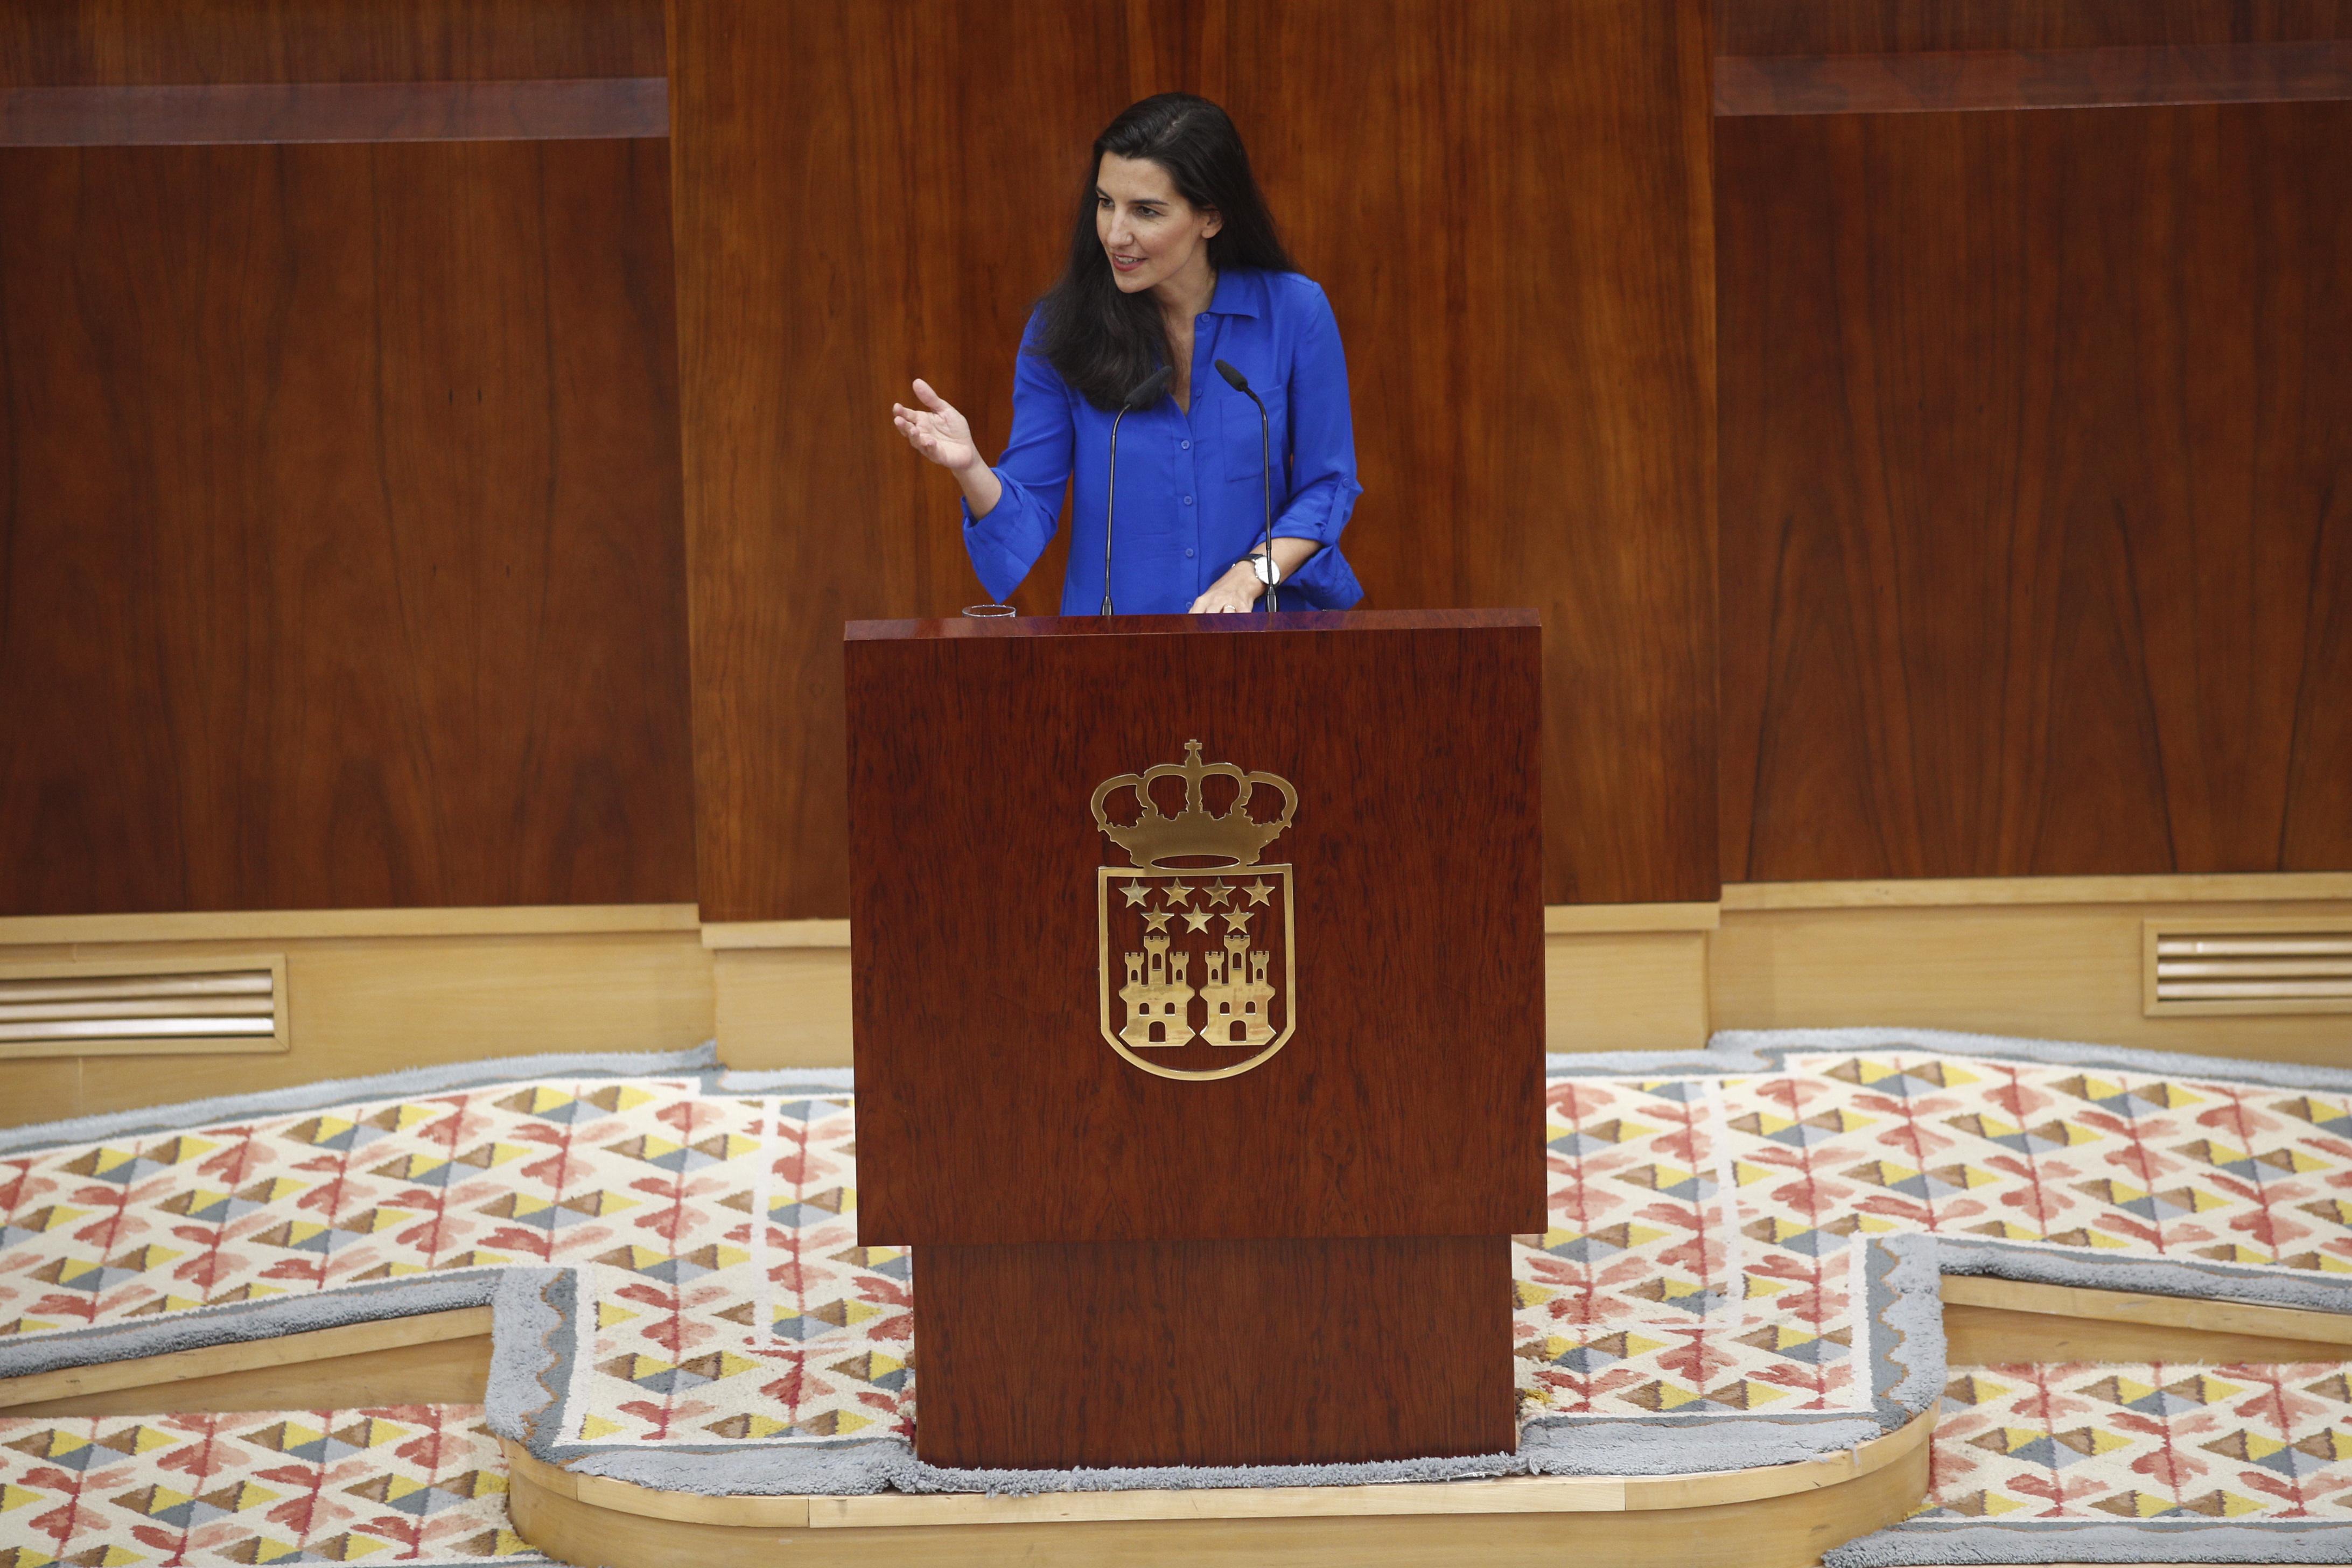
<point>936,430</point>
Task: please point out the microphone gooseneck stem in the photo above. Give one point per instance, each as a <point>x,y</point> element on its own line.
<point>1239,382</point>
<point>1110,504</point>
<point>1266,488</point>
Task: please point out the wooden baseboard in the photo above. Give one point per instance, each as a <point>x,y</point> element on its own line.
<point>361,1005</point>
<point>2048,970</point>
<point>371,991</point>
<point>782,1006</point>
<point>1628,991</point>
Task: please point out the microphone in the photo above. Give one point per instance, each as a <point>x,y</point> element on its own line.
<point>1240,383</point>
<point>1142,395</point>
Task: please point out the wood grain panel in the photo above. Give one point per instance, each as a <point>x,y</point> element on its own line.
<point>2034,543</point>
<point>945,212</point>
<point>340,564</point>
<point>1397,1106</point>
<point>58,43</point>
<point>182,115</point>
<point>1194,1354</point>
<point>1532,373</point>
<point>1533,408</point>
<point>1890,26</point>
<point>2032,79</point>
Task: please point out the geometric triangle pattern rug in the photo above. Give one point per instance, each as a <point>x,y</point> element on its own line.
<point>2137,1463</point>
<point>2030,1464</point>
<point>1713,1264</point>
<point>410,1484</point>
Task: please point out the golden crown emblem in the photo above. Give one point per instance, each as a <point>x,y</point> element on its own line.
<point>1194,834</point>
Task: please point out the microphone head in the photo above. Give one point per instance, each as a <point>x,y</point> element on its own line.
<point>1234,378</point>
<point>1146,390</point>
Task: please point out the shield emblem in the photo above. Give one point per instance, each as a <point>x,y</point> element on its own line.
<point>1198,975</point>
<point>1198,980</point>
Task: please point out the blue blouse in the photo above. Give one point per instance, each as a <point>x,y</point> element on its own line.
<point>1189,502</point>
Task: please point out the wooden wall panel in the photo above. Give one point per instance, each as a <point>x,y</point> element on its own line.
<point>2034,460</point>
<point>339,562</point>
<point>864,194</point>
<point>1533,378</point>
<point>1891,26</point>
<point>61,43</point>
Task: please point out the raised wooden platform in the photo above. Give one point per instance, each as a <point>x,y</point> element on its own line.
<point>1774,1515</point>
<point>1780,1516</point>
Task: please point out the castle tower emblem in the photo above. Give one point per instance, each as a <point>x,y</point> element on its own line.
<point>1195,902</point>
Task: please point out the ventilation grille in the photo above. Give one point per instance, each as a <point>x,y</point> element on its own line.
<point>178,1007</point>
<point>2249,966</point>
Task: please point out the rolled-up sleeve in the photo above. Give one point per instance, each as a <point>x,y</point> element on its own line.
<point>1005,544</point>
<point>1323,460</point>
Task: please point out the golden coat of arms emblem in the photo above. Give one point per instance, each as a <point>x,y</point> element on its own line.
<point>1197,974</point>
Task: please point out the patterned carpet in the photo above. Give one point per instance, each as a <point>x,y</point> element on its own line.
<point>2033,1452</point>
<point>1706,1257</point>
<point>1701,1256</point>
<point>413,1484</point>
<point>2081,1462</point>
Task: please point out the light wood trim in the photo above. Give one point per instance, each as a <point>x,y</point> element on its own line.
<point>1994,1336</point>
<point>1784,1531</point>
<point>280,925</point>
<point>775,934</point>
<point>63,1043</point>
<point>439,1372</point>
<point>1932,892</point>
<point>212,1361</point>
<point>1572,920</point>
<point>2197,1313</point>
<point>1504,1495</point>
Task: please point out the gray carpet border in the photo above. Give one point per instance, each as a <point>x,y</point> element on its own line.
<point>2044,1263</point>
<point>331,1092</point>
<point>1705,1062</point>
<point>242,1323</point>
<point>787,1080</point>
<point>539,1326</point>
<point>1934,1544</point>
<point>1775,1044</point>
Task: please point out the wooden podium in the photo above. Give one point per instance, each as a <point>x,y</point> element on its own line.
<point>1199,1016</point>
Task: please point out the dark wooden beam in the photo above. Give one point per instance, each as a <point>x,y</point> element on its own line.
<point>2033,79</point>
<point>197,115</point>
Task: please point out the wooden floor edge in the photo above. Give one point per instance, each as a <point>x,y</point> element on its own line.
<point>1501,1495</point>
<point>246,1355</point>
<point>2200,1313</point>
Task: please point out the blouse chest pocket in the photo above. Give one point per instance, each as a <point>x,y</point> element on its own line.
<point>1242,435</point>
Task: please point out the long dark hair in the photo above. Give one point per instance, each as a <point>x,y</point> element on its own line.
<point>1103,341</point>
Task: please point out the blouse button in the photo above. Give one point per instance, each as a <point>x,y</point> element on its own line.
<point>1183,446</point>
<point>1188,500</point>
<point>1188,555</point>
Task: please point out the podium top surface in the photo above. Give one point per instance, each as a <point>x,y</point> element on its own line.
<point>1184,626</point>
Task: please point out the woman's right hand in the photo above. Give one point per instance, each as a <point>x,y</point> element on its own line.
<point>936,430</point>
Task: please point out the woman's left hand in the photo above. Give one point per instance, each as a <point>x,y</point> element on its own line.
<point>1237,589</point>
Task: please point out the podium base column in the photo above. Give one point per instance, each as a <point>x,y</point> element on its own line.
<point>1304,1351</point>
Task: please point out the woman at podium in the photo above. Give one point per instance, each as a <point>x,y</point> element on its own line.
<point>1187,377</point>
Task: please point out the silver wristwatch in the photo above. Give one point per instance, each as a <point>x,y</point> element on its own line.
<point>1269,570</point>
